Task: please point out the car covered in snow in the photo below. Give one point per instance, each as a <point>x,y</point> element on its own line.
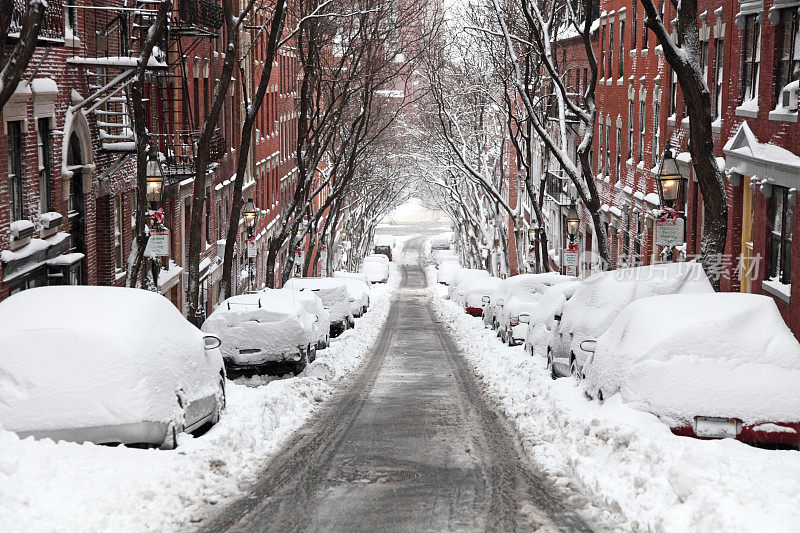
<point>440,256</point>
<point>521,296</point>
<point>313,304</point>
<point>477,293</point>
<point>116,366</point>
<point>601,297</point>
<point>358,293</point>
<point>708,365</point>
<point>383,250</point>
<point>375,268</point>
<point>443,241</point>
<point>446,271</point>
<point>543,319</point>
<point>264,331</point>
<point>460,279</point>
<point>333,292</point>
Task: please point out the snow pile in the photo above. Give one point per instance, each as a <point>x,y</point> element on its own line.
<point>461,278</point>
<point>748,369</point>
<point>72,487</point>
<point>115,356</point>
<point>443,241</point>
<point>262,327</point>
<point>476,289</point>
<point>375,271</point>
<point>632,472</point>
<point>447,271</point>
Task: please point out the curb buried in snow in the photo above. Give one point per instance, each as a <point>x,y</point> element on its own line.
<point>88,487</point>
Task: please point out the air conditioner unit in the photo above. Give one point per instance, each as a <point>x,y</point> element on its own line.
<point>789,96</point>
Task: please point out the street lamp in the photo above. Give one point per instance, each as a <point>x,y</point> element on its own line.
<point>154,178</point>
<point>250,214</point>
<point>532,233</point>
<point>669,178</point>
<point>573,221</point>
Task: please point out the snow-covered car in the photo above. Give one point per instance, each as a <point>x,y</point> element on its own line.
<point>383,250</point>
<point>118,366</point>
<point>601,297</point>
<point>313,304</point>
<point>378,258</point>
<point>447,271</point>
<point>263,331</point>
<point>455,290</point>
<point>354,275</point>
<point>375,270</point>
<point>333,292</point>
<point>477,293</point>
<point>443,241</point>
<point>708,365</point>
<point>386,240</point>
<point>523,294</point>
<point>358,294</point>
<point>440,256</point>
<point>542,320</point>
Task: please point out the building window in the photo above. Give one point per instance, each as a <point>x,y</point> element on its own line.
<point>611,50</point>
<point>655,149</point>
<point>641,130</point>
<point>208,214</point>
<point>637,239</point>
<point>45,165</point>
<point>70,18</point>
<point>646,33</point>
<point>787,56</point>
<point>602,50</point>
<point>608,148</point>
<point>630,129</point>
<point>634,23</point>
<point>15,172</point>
<point>621,59</point>
<point>618,162</point>
<point>719,49</point>
<point>673,94</point>
<point>781,216</point>
<point>118,232</point>
<point>751,53</point>
<point>704,59</point>
<point>600,151</point>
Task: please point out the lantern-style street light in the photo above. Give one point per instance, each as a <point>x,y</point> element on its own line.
<point>533,229</point>
<point>669,178</point>
<point>154,178</point>
<point>573,221</point>
<point>250,214</point>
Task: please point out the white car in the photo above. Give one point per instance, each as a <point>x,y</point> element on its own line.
<point>455,290</point>
<point>333,293</point>
<point>477,293</point>
<point>358,293</point>
<point>447,271</point>
<point>376,270</point>
<point>542,320</point>
<point>602,296</point>
<point>264,331</point>
<point>708,365</point>
<point>116,365</point>
<point>313,304</point>
<point>521,295</point>
<point>443,241</point>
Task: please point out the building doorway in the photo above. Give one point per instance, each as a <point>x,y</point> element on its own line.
<point>76,205</point>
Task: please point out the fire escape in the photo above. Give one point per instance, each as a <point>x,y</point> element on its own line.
<point>111,40</point>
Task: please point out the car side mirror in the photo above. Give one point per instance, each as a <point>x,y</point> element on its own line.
<point>588,345</point>
<point>524,318</point>
<point>211,341</point>
<point>486,299</point>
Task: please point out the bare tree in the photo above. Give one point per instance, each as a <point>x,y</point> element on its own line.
<point>683,57</point>
<point>13,64</point>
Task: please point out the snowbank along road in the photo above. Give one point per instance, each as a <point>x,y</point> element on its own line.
<point>408,446</point>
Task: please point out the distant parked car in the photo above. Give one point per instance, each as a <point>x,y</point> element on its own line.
<point>460,279</point>
<point>440,256</point>
<point>708,365</point>
<point>447,271</point>
<point>118,366</point>
<point>477,293</point>
<point>522,297</point>
<point>543,319</point>
<point>443,241</point>
<point>264,331</point>
<point>602,296</point>
<point>333,293</point>
<point>384,250</point>
<point>353,275</point>
<point>375,268</point>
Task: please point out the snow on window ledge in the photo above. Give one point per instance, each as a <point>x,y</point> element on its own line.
<point>716,126</point>
<point>777,289</point>
<point>781,114</point>
<point>749,108</point>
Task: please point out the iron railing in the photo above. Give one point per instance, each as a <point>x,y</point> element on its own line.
<point>52,28</point>
<point>180,151</point>
<point>200,13</point>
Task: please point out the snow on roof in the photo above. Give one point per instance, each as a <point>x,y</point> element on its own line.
<point>44,86</point>
<point>726,354</point>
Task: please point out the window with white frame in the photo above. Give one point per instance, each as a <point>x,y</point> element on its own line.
<point>118,264</point>
<point>16,178</point>
<point>641,129</point>
<point>787,51</point>
<point>45,150</point>
<point>781,220</point>
<point>656,130</point>
<point>618,161</point>
<point>751,57</point>
<point>716,103</point>
<point>630,129</point>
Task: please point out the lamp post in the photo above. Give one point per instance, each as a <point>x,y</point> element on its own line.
<point>154,178</point>
<point>573,221</point>
<point>669,179</point>
<point>250,214</point>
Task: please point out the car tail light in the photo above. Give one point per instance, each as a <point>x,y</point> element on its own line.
<point>514,321</point>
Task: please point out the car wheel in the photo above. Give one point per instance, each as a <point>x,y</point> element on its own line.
<point>220,400</point>
<point>301,365</point>
<point>312,351</point>
<point>175,426</point>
